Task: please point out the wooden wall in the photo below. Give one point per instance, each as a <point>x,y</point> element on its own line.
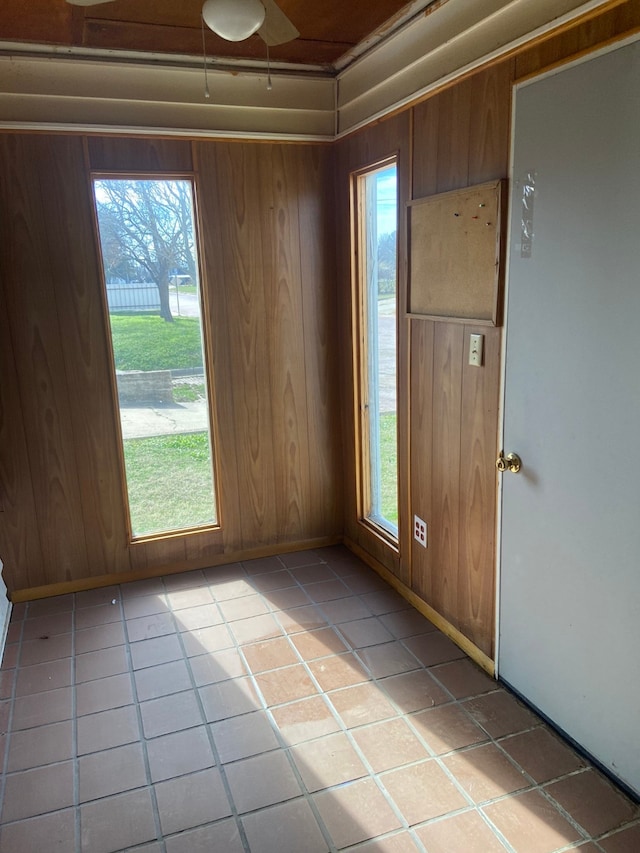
<point>276,255</point>
<point>447,410</point>
<point>269,268</point>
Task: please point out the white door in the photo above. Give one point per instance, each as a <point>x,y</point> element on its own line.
<point>569,628</point>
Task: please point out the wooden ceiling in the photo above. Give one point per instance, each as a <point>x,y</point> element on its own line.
<point>328,28</point>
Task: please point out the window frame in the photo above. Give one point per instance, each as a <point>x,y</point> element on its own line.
<point>207,351</point>
<point>360,350</point>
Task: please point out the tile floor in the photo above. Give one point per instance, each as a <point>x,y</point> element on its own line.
<point>293,704</point>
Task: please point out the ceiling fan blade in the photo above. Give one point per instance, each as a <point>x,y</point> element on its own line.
<point>87,2</point>
<point>277,28</point>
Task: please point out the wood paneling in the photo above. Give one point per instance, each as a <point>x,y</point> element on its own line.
<point>271,302</point>
<point>125,154</point>
<point>268,272</point>
<point>316,206</point>
<point>619,21</point>
<point>31,301</point>
<point>19,533</point>
<point>383,140</point>
<point>83,338</point>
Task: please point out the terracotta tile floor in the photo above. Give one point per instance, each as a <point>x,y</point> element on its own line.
<point>294,703</point>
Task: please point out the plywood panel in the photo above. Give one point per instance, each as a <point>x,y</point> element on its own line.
<point>316,206</point>
<point>217,307</point>
<point>454,130</point>
<point>125,154</point>
<point>456,575</point>
<point>620,20</point>
<point>20,545</point>
<point>424,178</point>
<point>454,246</point>
<point>478,451</point>
<point>445,472</point>
<point>281,269</point>
<point>83,337</point>
<point>421,450</point>
<point>241,274</point>
<point>40,367</point>
<point>490,123</point>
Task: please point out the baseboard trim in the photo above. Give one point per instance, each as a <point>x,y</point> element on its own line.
<point>82,584</point>
<point>469,648</point>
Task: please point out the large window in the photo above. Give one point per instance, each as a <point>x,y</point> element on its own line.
<point>151,273</point>
<point>375,248</point>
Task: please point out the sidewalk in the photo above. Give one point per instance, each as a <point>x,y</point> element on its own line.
<point>163,419</point>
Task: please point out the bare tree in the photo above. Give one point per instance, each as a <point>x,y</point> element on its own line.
<point>147,225</point>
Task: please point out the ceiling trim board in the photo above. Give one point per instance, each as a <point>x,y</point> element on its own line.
<point>92,93</point>
<point>378,84</point>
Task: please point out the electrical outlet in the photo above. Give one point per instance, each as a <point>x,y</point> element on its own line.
<point>420,531</point>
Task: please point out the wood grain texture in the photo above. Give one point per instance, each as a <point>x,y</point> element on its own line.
<point>285,332</point>
<point>316,206</point>
<point>387,138</point>
<point>478,498</point>
<point>421,451</point>
<point>444,524</point>
<point>490,123</point>
<point>456,576</point>
<point>130,154</point>
<point>270,274</point>
<point>270,317</point>
<point>619,21</point>
<point>241,273</point>
<point>20,535</point>
<point>454,137</point>
<point>83,337</point>
<point>31,303</point>
<point>217,310</point>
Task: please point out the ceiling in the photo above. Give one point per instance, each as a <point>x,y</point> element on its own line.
<point>329,29</point>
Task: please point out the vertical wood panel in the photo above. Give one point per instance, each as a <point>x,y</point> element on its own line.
<point>19,531</point>
<point>74,268</point>
<point>40,367</point>
<point>316,206</point>
<point>126,154</point>
<point>285,340</point>
<point>241,275</point>
<point>445,475</point>
<point>454,129</point>
<point>490,121</point>
<point>426,130</point>
<point>421,450</point>
<point>218,310</point>
<point>478,442</point>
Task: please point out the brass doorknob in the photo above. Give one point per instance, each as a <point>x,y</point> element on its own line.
<point>510,462</point>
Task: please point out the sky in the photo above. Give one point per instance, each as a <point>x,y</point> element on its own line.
<point>387,204</point>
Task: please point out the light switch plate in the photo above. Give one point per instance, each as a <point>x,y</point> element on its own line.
<point>476,350</point>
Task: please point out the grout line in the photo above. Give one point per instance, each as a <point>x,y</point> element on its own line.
<point>208,729</point>
<point>141,736</point>
<point>74,736</point>
<point>379,682</point>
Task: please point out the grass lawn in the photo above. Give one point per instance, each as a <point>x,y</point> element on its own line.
<point>389,466</point>
<point>170,482</point>
<point>149,343</point>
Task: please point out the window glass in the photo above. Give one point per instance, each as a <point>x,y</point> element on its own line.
<point>149,254</point>
<point>377,216</point>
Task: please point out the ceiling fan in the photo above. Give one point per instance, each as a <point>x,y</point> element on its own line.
<point>236,20</point>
